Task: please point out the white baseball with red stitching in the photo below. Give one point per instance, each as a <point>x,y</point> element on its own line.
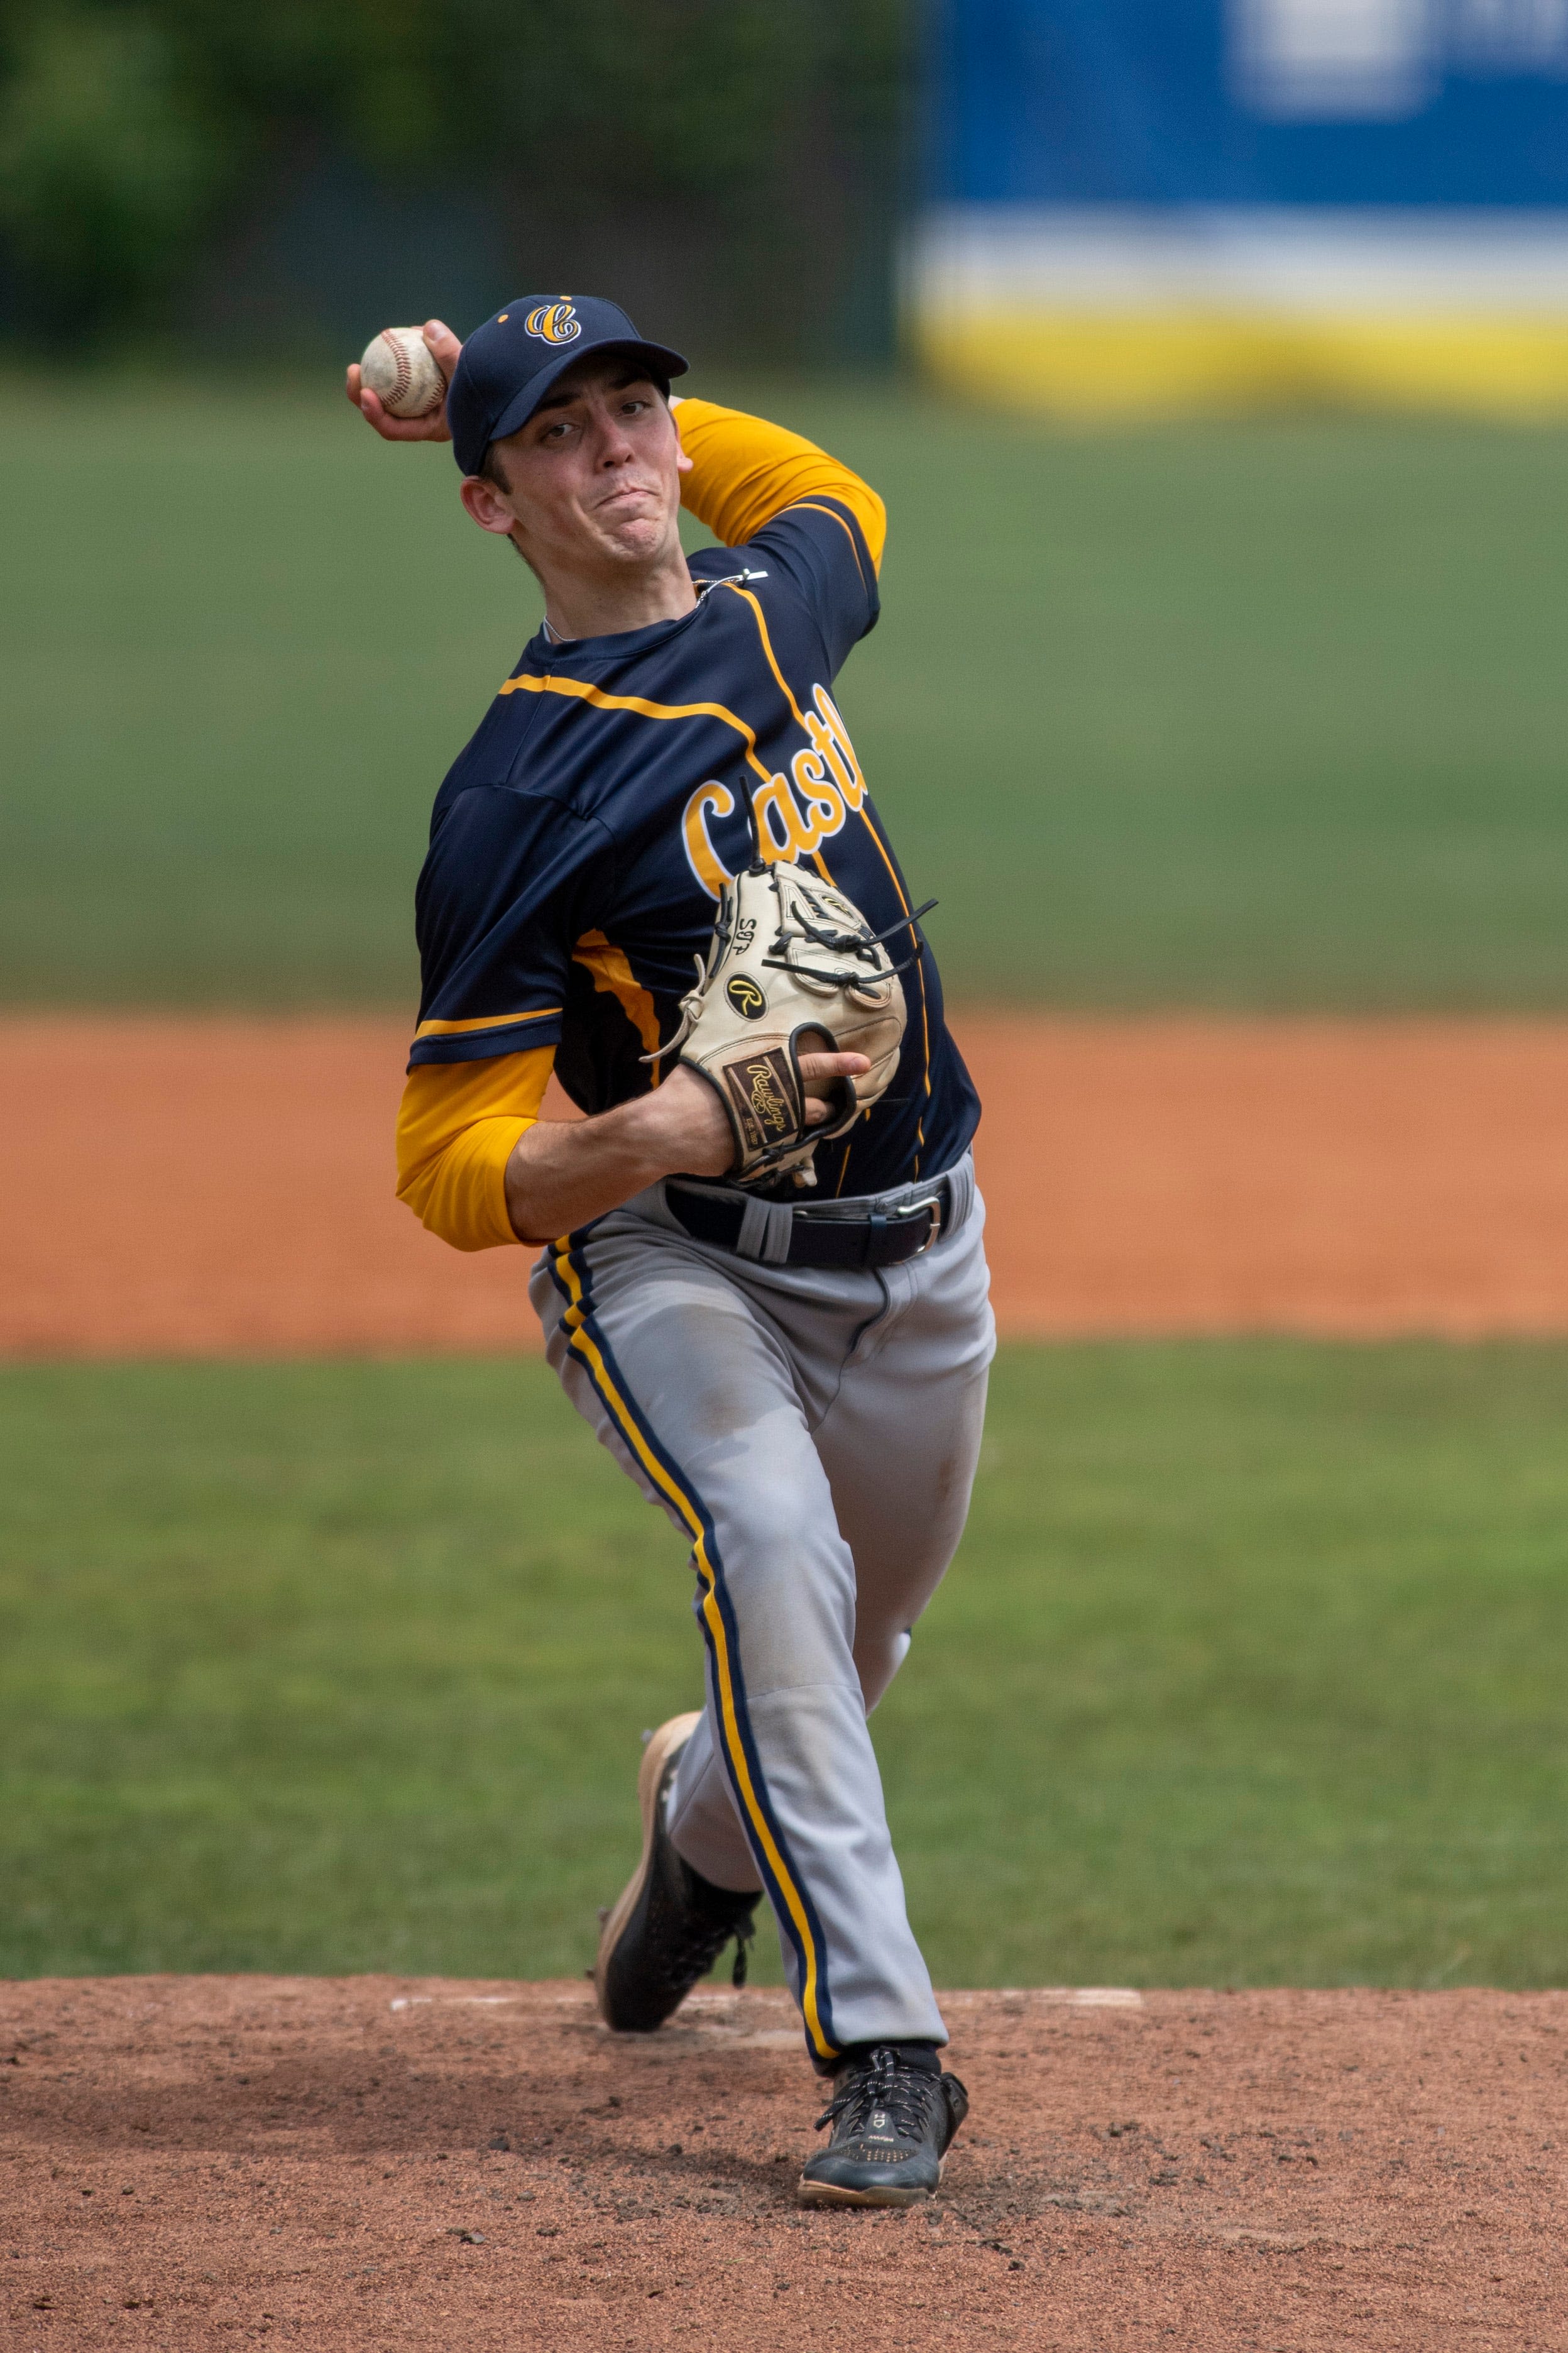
<point>398,368</point>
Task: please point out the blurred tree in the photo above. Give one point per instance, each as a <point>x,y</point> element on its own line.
<point>128,133</point>
<point>108,168</point>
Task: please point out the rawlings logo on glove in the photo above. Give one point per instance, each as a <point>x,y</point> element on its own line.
<point>792,968</point>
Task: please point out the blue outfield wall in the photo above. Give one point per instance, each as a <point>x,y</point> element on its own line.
<point>1157,203</point>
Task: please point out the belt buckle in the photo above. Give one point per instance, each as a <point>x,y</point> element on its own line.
<point>933,1202</point>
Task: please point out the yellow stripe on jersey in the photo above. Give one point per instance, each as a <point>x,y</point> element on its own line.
<point>919,975</point>
<point>736,590</point>
<point>484,1022</point>
<point>613,975</point>
<point>815,509</point>
<point>580,692</point>
<point>776,783</point>
<point>586,1349</point>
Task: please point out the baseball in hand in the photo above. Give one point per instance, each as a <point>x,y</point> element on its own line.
<point>398,368</point>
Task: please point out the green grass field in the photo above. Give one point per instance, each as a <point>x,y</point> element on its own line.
<point>1254,1668</point>
<point>1254,1665</point>
<point>1241,715</point>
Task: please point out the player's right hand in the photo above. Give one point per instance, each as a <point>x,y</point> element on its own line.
<point>443,347</point>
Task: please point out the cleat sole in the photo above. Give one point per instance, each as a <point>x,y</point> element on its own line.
<point>656,1756</point>
<point>831,2193</point>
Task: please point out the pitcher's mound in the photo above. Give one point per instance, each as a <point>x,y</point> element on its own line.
<point>373,2163</point>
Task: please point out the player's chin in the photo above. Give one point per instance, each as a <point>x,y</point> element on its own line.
<point>634,528</point>
<point>639,547</point>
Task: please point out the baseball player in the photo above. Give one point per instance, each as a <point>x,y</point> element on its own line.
<point>783,1340</point>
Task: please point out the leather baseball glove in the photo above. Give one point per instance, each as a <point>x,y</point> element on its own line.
<point>792,968</point>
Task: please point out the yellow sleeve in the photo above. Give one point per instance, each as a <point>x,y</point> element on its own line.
<point>456,1125</point>
<point>745,471</point>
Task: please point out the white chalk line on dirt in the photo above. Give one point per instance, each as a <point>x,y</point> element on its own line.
<point>454,2000</point>
<point>725,2018</point>
<point>1076,1997</point>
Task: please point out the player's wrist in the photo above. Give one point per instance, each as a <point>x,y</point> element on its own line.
<point>681,1129</point>
<point>562,1174</point>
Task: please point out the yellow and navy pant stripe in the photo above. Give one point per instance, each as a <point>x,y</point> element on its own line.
<point>796,1911</point>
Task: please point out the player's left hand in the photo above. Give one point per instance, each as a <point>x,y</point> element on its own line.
<point>443,347</point>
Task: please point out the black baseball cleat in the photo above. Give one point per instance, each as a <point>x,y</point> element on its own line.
<point>671,1924</point>
<point>892,2124</point>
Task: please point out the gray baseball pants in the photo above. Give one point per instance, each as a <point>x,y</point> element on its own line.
<point>814,1435</point>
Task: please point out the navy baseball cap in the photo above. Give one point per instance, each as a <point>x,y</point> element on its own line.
<point>509,363</point>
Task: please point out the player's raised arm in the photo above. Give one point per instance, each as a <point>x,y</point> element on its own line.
<point>745,472</point>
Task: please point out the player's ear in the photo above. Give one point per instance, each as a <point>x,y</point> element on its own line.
<point>682,463</point>
<point>485,503</point>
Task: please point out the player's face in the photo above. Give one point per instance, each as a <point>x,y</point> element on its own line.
<point>593,475</point>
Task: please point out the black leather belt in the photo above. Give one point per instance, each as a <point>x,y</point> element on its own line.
<point>822,1237</point>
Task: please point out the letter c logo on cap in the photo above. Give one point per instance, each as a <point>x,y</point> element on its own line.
<point>555,322</point>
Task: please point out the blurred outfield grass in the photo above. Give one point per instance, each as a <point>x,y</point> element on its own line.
<point>1254,1665</point>
<point>1253,1669</point>
<point>1246,716</point>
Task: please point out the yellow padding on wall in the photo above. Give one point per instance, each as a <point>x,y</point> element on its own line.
<point>1088,364</point>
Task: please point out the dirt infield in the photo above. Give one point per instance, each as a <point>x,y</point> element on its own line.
<point>367,2164</point>
<point>211,1187</point>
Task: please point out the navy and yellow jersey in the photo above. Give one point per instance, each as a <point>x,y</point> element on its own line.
<point>579,844</point>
